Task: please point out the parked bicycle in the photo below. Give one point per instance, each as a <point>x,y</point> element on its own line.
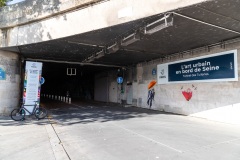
<point>19,114</point>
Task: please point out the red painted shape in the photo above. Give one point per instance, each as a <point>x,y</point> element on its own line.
<point>187,94</point>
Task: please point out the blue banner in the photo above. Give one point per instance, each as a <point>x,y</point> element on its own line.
<point>216,67</point>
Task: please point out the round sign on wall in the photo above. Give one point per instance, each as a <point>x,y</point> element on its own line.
<point>119,80</point>
<point>42,80</point>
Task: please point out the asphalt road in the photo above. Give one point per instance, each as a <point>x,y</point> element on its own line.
<point>94,131</point>
<point>100,132</point>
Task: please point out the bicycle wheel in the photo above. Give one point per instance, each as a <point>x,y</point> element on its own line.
<point>41,113</point>
<point>18,114</point>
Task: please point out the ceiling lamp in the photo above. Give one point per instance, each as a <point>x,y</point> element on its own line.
<point>99,54</point>
<point>130,39</point>
<point>89,59</point>
<point>160,24</point>
<point>95,56</point>
<point>113,48</point>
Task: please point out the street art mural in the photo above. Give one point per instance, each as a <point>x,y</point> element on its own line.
<point>151,93</point>
<point>188,93</point>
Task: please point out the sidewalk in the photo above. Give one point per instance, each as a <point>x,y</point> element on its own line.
<point>29,139</point>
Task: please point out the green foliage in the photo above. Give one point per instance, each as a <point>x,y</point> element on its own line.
<point>4,2</point>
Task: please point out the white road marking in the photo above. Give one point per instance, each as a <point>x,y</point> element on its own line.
<point>140,135</point>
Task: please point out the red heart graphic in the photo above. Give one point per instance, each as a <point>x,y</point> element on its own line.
<point>187,94</point>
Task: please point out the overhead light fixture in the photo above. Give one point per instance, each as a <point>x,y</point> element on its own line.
<point>160,24</point>
<point>89,59</point>
<point>95,56</point>
<point>130,39</point>
<point>99,54</point>
<point>113,48</point>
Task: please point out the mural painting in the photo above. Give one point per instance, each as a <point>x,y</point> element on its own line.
<point>151,93</point>
<point>188,93</point>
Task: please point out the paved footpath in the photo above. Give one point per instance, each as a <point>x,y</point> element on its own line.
<point>82,131</point>
<point>24,140</point>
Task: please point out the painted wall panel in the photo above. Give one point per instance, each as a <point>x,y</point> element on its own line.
<point>101,89</point>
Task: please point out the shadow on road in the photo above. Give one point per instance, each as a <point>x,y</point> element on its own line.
<point>89,112</point>
<point>81,112</point>
<point>7,121</point>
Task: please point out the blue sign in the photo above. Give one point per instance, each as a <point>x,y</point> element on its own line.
<point>217,67</point>
<point>42,80</point>
<point>119,80</point>
<point>154,71</point>
<point>2,74</point>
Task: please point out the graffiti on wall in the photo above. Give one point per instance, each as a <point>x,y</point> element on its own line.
<point>2,74</point>
<point>9,69</point>
<point>151,93</point>
<point>188,93</point>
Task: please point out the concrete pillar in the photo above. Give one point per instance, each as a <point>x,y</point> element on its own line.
<point>9,82</point>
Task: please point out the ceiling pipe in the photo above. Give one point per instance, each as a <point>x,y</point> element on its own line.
<point>213,25</point>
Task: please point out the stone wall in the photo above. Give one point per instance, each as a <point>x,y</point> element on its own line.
<point>10,84</point>
<point>34,10</point>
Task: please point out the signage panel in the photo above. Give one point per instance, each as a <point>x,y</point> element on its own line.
<point>32,86</point>
<point>216,67</point>
<point>119,80</point>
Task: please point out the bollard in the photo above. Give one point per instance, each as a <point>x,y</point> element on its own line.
<point>69,100</point>
<point>64,99</point>
<point>59,98</point>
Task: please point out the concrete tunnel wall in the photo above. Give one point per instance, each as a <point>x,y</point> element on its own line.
<point>211,100</point>
<point>10,85</point>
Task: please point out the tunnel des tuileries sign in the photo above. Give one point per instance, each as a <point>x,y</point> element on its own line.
<point>211,68</point>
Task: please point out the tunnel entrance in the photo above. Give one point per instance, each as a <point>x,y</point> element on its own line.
<point>80,82</point>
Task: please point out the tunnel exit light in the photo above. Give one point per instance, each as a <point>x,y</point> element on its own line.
<point>71,71</point>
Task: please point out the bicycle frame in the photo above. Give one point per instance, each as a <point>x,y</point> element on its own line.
<point>31,113</point>
<point>20,113</point>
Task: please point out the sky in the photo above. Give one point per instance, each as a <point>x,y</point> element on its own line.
<point>15,1</point>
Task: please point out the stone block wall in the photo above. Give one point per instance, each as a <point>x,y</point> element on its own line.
<point>10,85</point>
<point>33,10</point>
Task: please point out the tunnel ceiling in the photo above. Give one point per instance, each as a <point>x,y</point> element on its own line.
<point>185,34</point>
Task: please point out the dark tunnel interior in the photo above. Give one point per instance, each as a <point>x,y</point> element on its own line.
<point>79,86</point>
